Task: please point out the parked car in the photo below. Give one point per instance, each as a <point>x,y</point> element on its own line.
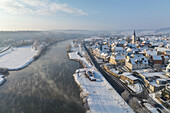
<point>92,78</point>
<point>88,74</point>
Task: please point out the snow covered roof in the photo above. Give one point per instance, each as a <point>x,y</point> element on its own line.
<point>151,52</point>
<point>168,52</point>
<point>132,77</point>
<point>139,59</point>
<point>162,49</point>
<point>168,45</point>
<point>160,79</point>
<point>166,57</point>
<point>154,74</point>
<point>156,43</point>
<point>135,49</point>
<point>121,57</point>
<point>122,42</point>
<point>104,54</point>
<point>131,45</point>
<point>146,42</point>
<point>129,75</point>
<point>118,48</point>
<point>156,57</point>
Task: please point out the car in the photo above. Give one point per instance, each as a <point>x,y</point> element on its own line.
<point>88,74</point>
<point>91,78</point>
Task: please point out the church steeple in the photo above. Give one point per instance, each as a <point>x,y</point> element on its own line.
<point>134,38</point>
<point>134,33</point>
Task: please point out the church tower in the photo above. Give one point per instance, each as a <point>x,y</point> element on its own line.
<point>134,38</point>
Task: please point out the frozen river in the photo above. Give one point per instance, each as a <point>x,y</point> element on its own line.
<point>45,86</point>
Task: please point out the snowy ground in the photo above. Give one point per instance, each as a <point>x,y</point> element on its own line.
<point>102,97</point>
<point>74,55</point>
<point>17,57</point>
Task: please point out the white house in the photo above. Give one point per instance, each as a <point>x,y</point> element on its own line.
<point>138,62</point>
<point>168,70</point>
<point>105,48</point>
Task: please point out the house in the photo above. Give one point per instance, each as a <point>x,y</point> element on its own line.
<point>104,56</point>
<point>117,59</point>
<point>168,70</point>
<point>165,59</point>
<point>97,52</point>
<point>149,53</point>
<point>129,77</point>
<point>153,82</point>
<point>119,50</point>
<point>161,81</point>
<point>137,62</point>
<point>145,43</point>
<point>167,53</point>
<point>121,43</point>
<point>156,61</point>
<point>168,46</point>
<point>163,51</point>
<point>105,48</point>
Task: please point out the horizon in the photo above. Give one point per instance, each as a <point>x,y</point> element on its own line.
<point>48,15</point>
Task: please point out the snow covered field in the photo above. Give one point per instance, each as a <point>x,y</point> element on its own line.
<point>17,58</point>
<point>102,97</point>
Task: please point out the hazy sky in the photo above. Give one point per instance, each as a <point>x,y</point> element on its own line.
<point>84,14</point>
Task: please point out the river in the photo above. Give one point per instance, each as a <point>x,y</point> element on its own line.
<point>45,86</point>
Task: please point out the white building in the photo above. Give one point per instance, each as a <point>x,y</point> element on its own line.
<point>168,70</point>
<point>105,48</point>
<point>138,62</point>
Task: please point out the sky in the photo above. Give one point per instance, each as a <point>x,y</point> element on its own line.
<point>83,14</point>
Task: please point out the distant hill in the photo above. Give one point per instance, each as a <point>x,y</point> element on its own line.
<point>163,30</point>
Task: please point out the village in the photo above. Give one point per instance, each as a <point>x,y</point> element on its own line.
<point>140,63</point>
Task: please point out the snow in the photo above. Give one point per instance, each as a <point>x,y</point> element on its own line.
<point>1,76</point>
<point>151,52</point>
<point>114,71</point>
<point>153,74</point>
<point>118,48</point>
<point>17,58</point>
<point>156,57</point>
<point>151,108</point>
<point>155,99</point>
<point>74,55</point>
<point>4,49</point>
<point>101,96</point>
<point>2,80</point>
<point>140,59</point>
<point>136,87</point>
<point>118,57</point>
